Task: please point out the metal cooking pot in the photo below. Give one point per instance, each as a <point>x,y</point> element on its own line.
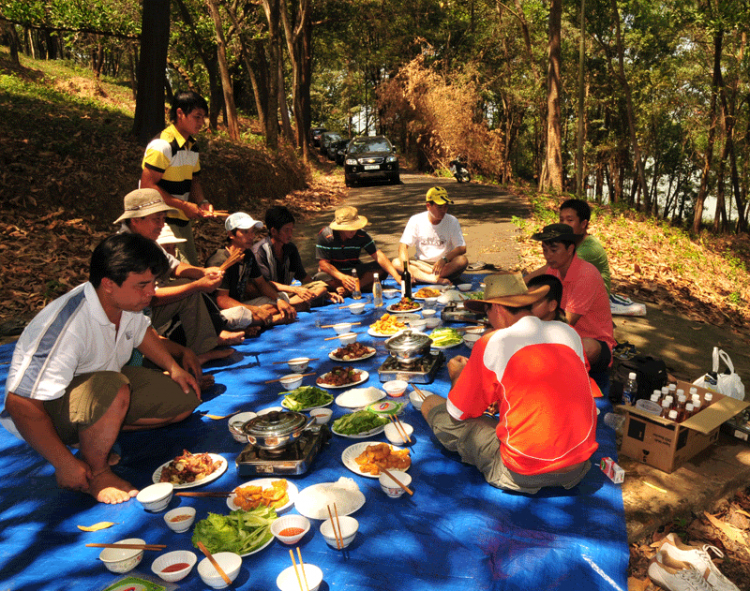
<point>276,429</point>
<point>408,347</point>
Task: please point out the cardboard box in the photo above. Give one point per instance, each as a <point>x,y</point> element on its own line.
<point>667,445</point>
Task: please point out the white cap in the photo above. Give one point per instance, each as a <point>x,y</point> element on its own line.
<point>241,221</point>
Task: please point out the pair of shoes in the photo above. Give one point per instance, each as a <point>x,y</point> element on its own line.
<point>699,559</point>
<point>675,575</point>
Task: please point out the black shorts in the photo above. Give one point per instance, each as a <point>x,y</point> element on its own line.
<point>605,357</point>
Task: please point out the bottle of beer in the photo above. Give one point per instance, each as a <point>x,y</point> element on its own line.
<point>356,293</point>
<point>406,281</point>
<point>377,292</point>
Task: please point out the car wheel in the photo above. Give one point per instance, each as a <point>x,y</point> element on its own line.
<point>395,179</point>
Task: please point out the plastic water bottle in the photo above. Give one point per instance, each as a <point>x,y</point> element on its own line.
<point>356,293</point>
<point>377,292</point>
<point>630,391</point>
<point>614,421</point>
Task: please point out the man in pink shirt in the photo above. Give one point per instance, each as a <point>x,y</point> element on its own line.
<point>584,298</point>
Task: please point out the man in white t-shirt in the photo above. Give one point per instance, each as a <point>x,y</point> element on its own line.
<point>440,244</point>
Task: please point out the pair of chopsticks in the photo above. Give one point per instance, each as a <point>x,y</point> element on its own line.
<point>400,428</point>
<point>205,493</point>
<point>302,375</point>
<point>235,255</point>
<point>419,392</point>
<point>212,560</point>
<point>153,547</point>
<point>336,527</point>
<point>306,358</point>
<point>397,481</point>
<point>302,568</point>
<point>332,325</point>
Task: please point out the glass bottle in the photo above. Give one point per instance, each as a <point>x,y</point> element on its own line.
<point>708,399</point>
<point>406,281</point>
<point>377,292</point>
<point>673,415</point>
<point>665,408</point>
<point>689,410</point>
<point>356,292</point>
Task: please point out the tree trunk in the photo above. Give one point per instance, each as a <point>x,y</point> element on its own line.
<point>149,105</point>
<point>233,128</point>
<point>286,123</point>
<point>273,16</point>
<point>553,177</point>
<point>15,44</point>
<point>299,46</point>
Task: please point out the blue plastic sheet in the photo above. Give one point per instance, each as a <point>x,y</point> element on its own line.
<point>456,533</point>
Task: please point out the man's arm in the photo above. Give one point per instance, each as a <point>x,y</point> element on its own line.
<point>185,356</point>
<point>447,258</point>
<point>384,262</point>
<point>149,180</point>
<point>347,280</point>
<point>34,424</point>
<point>268,290</point>
<point>153,348</point>
<point>572,318</point>
<point>261,314</point>
<point>403,251</point>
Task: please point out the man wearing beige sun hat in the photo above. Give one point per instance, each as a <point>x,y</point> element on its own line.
<point>338,248</point>
<point>534,374</point>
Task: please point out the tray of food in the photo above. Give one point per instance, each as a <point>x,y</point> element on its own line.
<point>404,305</point>
<point>188,470</point>
<point>387,325</point>
<point>427,292</point>
<point>445,338</point>
<point>305,397</point>
<point>352,352</point>
<point>342,377</point>
<point>242,532</point>
<point>359,425</point>
<point>368,457</point>
<point>276,493</point>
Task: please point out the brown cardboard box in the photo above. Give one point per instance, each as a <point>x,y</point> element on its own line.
<point>667,445</point>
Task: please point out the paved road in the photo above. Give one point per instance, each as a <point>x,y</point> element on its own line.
<point>485,213</point>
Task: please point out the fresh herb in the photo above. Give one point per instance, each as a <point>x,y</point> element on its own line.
<point>358,422</point>
<point>445,337</point>
<point>240,532</point>
<point>305,397</point>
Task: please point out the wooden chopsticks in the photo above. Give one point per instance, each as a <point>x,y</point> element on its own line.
<point>235,255</point>
<point>331,338</point>
<point>332,325</point>
<point>336,527</point>
<point>400,428</point>
<point>302,568</point>
<point>305,358</point>
<point>153,547</point>
<point>302,375</point>
<point>419,392</point>
<point>392,477</point>
<point>212,560</point>
<point>205,493</point>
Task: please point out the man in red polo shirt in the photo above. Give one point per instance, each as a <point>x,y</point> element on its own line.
<point>546,430</point>
<point>584,298</point>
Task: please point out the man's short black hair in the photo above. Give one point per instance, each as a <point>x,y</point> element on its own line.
<point>278,216</point>
<point>581,207</point>
<point>555,287</point>
<point>119,255</point>
<point>187,101</point>
<point>517,309</point>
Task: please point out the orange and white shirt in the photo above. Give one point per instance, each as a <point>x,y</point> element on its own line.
<point>536,372</point>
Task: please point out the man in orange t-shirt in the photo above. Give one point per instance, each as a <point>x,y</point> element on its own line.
<point>546,430</point>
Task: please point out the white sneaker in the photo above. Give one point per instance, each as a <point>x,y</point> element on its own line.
<point>699,559</point>
<point>675,575</point>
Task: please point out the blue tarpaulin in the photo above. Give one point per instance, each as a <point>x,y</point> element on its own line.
<point>456,533</point>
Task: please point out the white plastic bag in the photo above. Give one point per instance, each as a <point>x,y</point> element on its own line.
<point>728,384</point>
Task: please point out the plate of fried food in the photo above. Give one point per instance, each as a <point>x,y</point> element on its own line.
<point>189,470</point>
<point>404,305</point>
<point>352,352</point>
<point>386,326</point>
<point>342,377</point>
<point>277,493</point>
<point>368,457</point>
<point>427,292</point>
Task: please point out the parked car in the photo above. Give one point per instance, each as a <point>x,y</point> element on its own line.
<point>339,150</point>
<point>316,132</point>
<point>326,139</point>
<point>369,158</point>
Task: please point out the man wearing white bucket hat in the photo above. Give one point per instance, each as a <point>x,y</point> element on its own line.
<point>546,430</point>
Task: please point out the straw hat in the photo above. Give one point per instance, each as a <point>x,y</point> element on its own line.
<point>167,237</point>
<point>507,289</point>
<point>143,202</point>
<point>346,219</point>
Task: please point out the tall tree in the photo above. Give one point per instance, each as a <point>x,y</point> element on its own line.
<point>233,128</point>
<point>552,175</point>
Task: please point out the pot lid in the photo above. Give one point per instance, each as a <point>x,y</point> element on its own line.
<point>275,424</point>
<point>408,341</point>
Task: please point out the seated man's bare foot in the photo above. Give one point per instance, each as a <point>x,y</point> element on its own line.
<point>107,487</point>
<point>113,459</point>
<point>252,331</point>
<point>231,338</point>
<point>442,281</point>
<point>214,354</point>
<point>206,381</point>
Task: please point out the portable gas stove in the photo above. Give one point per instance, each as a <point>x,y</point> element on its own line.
<point>421,372</point>
<point>453,313</point>
<point>292,459</point>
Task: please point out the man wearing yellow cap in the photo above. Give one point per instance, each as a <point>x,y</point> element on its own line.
<point>437,236</point>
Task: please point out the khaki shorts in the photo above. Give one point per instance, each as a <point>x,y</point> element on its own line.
<point>152,395</point>
<point>475,440</point>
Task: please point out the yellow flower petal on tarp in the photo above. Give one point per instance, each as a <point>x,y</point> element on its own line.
<point>96,526</point>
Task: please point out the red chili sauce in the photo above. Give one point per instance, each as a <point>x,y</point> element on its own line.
<point>173,568</point>
<point>291,531</point>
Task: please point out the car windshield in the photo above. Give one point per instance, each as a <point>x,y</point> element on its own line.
<point>370,146</point>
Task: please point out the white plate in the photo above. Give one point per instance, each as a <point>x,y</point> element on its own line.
<point>291,490</point>
<point>347,501</point>
<point>210,478</point>
<point>440,288</point>
<point>366,356</point>
<point>409,311</point>
<point>258,549</point>
<point>365,435</point>
<point>364,376</point>
<point>359,397</point>
<point>352,452</point>
<point>374,333</point>
<point>329,403</point>
<point>446,346</point>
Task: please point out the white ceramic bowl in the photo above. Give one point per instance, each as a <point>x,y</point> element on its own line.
<point>235,425</point>
<point>391,293</point>
<point>349,528</point>
<point>322,415</point>
<point>416,400</point>
<point>229,562</point>
<point>180,520</point>
<point>470,339</point>
<point>287,521</point>
<point>394,435</point>
<point>342,327</point>
<point>432,322</point>
<point>298,365</point>
<point>417,324</point>
<point>170,558</point>
<point>156,497</point>
<point>395,388</point>
<point>120,560</point>
<point>347,338</point>
<point>464,286</point>
<point>428,313</point>
<point>287,579</point>
<point>291,381</point>
<point>357,308</point>
<point>392,489</point>
<point>475,330</point>
<point>430,303</point>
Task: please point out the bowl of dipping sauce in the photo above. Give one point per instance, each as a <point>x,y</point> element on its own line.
<point>322,415</point>
<point>174,566</point>
<point>179,520</point>
<point>395,388</point>
<point>291,381</point>
<point>290,529</point>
